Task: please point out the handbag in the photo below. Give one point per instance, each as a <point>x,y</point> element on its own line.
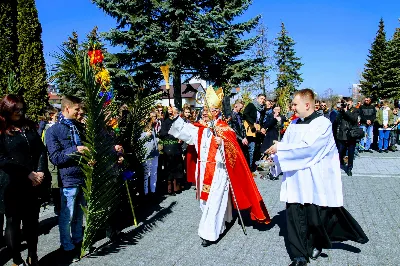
<point>356,133</point>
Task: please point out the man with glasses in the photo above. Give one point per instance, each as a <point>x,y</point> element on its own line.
<point>367,118</point>
<point>324,109</point>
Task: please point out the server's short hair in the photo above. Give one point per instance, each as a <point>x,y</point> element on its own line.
<point>305,94</point>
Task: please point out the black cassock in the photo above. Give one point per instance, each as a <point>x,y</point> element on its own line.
<point>310,226</point>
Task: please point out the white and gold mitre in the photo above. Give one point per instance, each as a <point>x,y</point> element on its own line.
<point>214,98</point>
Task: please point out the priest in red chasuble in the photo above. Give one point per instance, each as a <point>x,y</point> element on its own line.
<point>219,156</point>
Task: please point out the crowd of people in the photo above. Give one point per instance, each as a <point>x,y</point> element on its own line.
<point>216,155</point>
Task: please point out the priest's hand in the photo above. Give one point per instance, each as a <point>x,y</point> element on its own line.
<point>218,140</point>
<point>273,149</point>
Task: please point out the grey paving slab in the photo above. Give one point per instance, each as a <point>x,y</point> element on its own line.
<point>169,236</point>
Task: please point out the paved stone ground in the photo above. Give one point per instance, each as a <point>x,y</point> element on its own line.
<point>169,235</point>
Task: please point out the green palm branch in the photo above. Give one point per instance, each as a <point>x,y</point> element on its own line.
<point>103,184</point>
<point>136,124</point>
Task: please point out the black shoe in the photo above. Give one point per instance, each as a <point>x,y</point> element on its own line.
<point>205,243</point>
<point>360,151</point>
<point>380,151</point>
<point>70,255</point>
<point>349,173</point>
<point>315,254</point>
<point>370,151</point>
<point>78,246</point>
<point>298,262</point>
<point>386,151</point>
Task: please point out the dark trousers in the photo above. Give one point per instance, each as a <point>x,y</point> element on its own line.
<point>347,147</point>
<point>21,206</point>
<point>311,226</point>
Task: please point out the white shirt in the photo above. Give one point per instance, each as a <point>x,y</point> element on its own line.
<point>309,160</point>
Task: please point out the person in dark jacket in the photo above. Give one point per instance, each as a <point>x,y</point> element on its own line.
<point>172,149</point>
<point>346,119</point>
<point>23,157</point>
<point>254,114</point>
<point>273,125</point>
<point>236,123</point>
<point>367,118</point>
<point>64,144</point>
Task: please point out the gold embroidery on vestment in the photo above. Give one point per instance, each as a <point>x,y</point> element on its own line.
<point>231,153</point>
<point>206,188</point>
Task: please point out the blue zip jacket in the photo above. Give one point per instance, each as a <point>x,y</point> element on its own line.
<point>62,153</point>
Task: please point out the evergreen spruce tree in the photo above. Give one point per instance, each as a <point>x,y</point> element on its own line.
<point>196,38</point>
<point>32,70</point>
<point>391,69</point>
<point>8,42</point>
<point>373,74</point>
<point>288,65</point>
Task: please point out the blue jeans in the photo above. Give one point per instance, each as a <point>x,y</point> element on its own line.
<point>71,217</point>
<point>369,136</point>
<point>383,139</point>
<point>252,146</point>
<point>347,147</point>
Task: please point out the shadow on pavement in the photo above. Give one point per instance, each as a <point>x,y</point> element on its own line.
<point>132,237</point>
<point>46,225</point>
<point>144,210</point>
<point>346,247</point>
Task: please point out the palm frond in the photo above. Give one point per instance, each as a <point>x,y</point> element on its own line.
<point>137,122</point>
<point>102,190</point>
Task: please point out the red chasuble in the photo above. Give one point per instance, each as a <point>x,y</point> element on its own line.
<point>244,186</point>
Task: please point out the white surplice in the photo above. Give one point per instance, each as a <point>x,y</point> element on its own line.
<point>218,208</point>
<point>309,160</point>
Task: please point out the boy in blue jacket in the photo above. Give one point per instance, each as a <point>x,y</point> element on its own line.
<point>63,141</point>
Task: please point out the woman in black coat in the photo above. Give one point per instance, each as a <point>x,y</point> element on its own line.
<point>172,149</point>
<point>273,123</point>
<point>23,157</point>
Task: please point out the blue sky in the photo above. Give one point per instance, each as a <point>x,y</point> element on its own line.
<point>333,37</point>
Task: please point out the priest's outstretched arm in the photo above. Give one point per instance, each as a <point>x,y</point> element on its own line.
<point>184,131</point>
<point>316,143</point>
